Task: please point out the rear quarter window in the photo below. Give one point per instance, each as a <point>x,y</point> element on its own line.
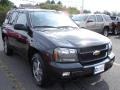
<point>99,18</point>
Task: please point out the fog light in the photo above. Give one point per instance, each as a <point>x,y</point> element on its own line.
<point>65,74</point>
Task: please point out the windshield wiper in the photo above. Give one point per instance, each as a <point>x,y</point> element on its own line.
<point>44,27</point>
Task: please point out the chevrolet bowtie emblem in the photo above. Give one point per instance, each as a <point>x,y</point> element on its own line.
<point>97,52</point>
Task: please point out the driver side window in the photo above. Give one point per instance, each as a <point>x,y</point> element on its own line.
<point>22,19</point>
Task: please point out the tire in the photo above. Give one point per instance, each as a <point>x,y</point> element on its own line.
<point>7,50</point>
<point>38,70</point>
<point>115,31</point>
<point>105,32</point>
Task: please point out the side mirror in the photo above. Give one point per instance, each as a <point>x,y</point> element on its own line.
<point>20,27</point>
<point>90,21</point>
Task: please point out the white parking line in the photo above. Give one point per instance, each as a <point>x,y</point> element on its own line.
<point>117,64</point>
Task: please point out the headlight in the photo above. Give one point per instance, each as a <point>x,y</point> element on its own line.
<point>109,47</point>
<point>65,55</point>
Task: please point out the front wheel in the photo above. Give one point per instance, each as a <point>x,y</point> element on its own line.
<point>38,70</point>
<point>105,32</point>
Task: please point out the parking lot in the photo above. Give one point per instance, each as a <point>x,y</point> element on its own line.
<point>15,74</point>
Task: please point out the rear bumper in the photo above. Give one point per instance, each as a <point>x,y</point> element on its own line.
<point>76,69</point>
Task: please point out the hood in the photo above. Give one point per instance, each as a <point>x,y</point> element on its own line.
<point>74,38</point>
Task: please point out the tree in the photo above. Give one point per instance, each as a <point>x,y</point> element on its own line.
<point>48,2</point>
<point>59,3</point>
<point>51,6</point>
<point>97,12</point>
<point>5,5</point>
<point>114,14</point>
<point>73,10</point>
<point>52,2</point>
<point>86,11</point>
<point>6,2</point>
<point>119,14</point>
<point>59,7</point>
<point>107,13</point>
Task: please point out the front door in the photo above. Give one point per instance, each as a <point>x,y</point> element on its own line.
<point>21,41</point>
<point>91,23</point>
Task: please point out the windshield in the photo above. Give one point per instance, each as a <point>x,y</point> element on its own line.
<point>79,17</point>
<point>51,19</point>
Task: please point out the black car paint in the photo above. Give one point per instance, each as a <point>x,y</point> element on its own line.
<point>45,40</point>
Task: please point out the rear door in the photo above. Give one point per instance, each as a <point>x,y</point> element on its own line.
<point>8,27</point>
<point>99,23</point>
<point>91,23</point>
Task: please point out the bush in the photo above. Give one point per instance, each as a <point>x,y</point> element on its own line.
<point>2,17</point>
<point>3,10</point>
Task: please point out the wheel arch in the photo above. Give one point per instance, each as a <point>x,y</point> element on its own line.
<point>31,51</point>
<point>3,36</point>
<point>107,27</point>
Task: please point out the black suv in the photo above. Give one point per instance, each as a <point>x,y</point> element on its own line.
<point>55,45</point>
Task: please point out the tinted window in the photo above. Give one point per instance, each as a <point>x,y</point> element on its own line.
<point>99,18</point>
<point>12,18</point>
<point>113,18</point>
<point>79,17</point>
<point>92,17</point>
<point>22,19</point>
<point>54,19</point>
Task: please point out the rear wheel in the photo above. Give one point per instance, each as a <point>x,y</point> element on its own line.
<point>7,50</point>
<point>38,70</point>
<point>105,32</point>
<point>115,31</point>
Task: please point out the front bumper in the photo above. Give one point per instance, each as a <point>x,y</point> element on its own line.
<point>76,69</point>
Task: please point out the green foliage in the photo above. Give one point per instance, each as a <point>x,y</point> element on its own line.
<point>52,2</point>
<point>86,11</point>
<point>107,13</point>
<point>48,2</point>
<point>51,6</point>
<point>73,10</point>
<point>59,7</point>
<point>2,17</point>
<point>59,2</point>
<point>97,12</point>
<point>5,5</point>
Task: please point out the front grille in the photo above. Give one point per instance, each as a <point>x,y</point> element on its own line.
<point>86,55</point>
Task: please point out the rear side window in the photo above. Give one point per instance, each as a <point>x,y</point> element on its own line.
<point>92,17</point>
<point>22,19</point>
<point>99,18</point>
<point>12,18</point>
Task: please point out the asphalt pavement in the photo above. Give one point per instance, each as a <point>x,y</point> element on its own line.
<point>15,74</point>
